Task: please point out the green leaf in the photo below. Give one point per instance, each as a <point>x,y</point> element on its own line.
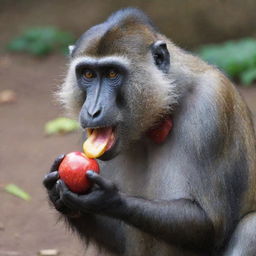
<point>39,48</point>
<point>233,57</point>
<point>41,41</point>
<point>248,76</point>
<point>61,125</point>
<point>17,45</point>
<point>17,191</point>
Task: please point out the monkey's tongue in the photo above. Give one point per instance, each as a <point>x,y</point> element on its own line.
<point>98,142</point>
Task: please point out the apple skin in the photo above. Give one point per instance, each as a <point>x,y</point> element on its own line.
<point>72,171</point>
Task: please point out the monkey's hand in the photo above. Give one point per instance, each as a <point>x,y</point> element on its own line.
<point>104,198</point>
<point>50,183</point>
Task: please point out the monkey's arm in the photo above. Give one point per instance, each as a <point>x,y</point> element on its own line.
<point>182,222</point>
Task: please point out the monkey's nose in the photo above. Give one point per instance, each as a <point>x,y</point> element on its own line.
<point>94,113</point>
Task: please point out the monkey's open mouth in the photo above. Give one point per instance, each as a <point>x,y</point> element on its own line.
<point>99,140</point>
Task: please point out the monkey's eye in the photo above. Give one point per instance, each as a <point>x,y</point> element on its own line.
<point>88,74</point>
<point>112,74</point>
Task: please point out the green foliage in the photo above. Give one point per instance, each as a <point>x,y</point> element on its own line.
<point>17,191</point>
<point>61,125</point>
<point>41,41</point>
<point>236,58</point>
<point>248,76</point>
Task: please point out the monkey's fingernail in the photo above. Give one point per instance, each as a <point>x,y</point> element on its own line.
<point>90,173</point>
<point>61,156</point>
<point>58,182</point>
<point>53,174</point>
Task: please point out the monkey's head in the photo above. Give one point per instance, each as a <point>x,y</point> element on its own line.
<point>117,82</point>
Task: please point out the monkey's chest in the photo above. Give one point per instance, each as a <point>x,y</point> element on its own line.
<point>158,180</point>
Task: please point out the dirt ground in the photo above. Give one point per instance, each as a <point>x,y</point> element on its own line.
<point>26,154</point>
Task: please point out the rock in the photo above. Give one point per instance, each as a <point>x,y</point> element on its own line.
<point>7,96</point>
<point>48,252</point>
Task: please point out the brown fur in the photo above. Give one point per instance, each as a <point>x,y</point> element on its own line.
<point>156,93</point>
<point>205,155</point>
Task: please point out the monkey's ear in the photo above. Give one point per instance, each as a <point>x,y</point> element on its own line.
<point>71,48</point>
<point>161,55</point>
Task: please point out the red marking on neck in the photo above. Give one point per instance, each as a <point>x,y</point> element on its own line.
<point>160,132</point>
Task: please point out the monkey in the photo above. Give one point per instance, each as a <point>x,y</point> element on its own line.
<point>192,193</point>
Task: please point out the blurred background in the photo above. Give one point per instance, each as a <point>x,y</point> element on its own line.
<point>33,40</point>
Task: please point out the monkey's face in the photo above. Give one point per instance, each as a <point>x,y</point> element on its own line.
<point>101,115</point>
<point>116,98</point>
<point>118,84</point>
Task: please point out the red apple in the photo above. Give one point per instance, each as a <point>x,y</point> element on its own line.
<point>72,171</point>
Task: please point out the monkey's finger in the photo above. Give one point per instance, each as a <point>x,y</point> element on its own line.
<point>100,181</point>
<point>56,163</point>
<point>70,199</point>
<point>59,205</point>
<point>50,179</point>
